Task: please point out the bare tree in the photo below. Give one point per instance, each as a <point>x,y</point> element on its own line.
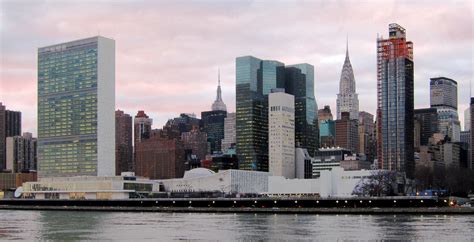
<point>378,183</point>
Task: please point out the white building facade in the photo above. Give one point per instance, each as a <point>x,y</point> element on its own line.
<point>229,132</point>
<point>281,134</point>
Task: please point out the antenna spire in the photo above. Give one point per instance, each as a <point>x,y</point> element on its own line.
<point>218,76</point>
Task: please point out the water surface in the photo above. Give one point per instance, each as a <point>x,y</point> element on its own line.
<point>73,225</point>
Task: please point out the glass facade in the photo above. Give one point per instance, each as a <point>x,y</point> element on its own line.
<point>213,126</point>
<point>255,78</point>
<point>395,119</point>
<point>68,108</point>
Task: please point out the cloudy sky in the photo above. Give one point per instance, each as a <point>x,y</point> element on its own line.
<point>168,52</point>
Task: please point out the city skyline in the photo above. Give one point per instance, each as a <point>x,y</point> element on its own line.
<point>167,64</point>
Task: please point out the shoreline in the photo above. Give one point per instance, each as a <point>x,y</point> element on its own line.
<point>335,210</point>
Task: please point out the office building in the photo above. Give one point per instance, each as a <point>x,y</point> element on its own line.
<point>21,153</point>
<point>10,125</point>
<point>347,133</point>
<point>281,134</point>
<point>426,124</point>
<point>444,97</point>
<point>123,143</point>
<point>327,159</point>
<point>327,132</point>
<point>142,126</point>
<point>76,103</point>
<point>347,99</point>
<point>254,79</point>
<point>299,82</point>
<point>395,102</point>
<point>367,139</point>
<point>229,133</point>
<point>159,157</point>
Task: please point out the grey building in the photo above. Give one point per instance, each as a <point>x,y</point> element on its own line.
<point>444,97</point>
<point>21,153</point>
<point>76,104</point>
<point>395,102</point>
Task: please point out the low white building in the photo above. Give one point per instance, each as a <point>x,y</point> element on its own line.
<point>226,181</point>
<point>340,183</point>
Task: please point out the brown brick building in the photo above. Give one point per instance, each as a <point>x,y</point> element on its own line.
<point>123,143</point>
<point>347,133</point>
<point>159,157</point>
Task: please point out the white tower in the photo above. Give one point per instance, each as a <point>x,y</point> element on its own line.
<point>347,99</point>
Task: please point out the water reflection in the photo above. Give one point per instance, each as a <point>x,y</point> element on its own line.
<point>62,225</point>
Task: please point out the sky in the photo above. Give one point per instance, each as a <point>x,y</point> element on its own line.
<point>168,52</point>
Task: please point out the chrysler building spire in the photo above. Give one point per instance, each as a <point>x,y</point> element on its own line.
<point>218,104</point>
<point>347,99</point>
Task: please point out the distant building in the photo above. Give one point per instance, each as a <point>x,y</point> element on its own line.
<point>213,121</point>
<point>229,132</point>
<point>281,134</point>
<point>328,158</point>
<point>471,165</point>
<point>426,124</point>
<point>184,123</point>
<point>347,133</point>
<point>367,140</point>
<point>123,143</point>
<point>196,142</point>
<point>159,157</point>
<point>10,125</point>
<point>467,119</point>
<point>142,126</point>
<point>395,102</point>
<point>466,137</point>
<point>324,114</point>
<point>444,97</point>
<point>347,99</point>
<point>22,153</point>
<point>76,104</point>
<point>327,132</point>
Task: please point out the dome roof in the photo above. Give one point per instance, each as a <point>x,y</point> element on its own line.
<point>197,172</point>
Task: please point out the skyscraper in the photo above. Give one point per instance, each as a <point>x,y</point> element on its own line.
<point>213,121</point>
<point>141,126</point>
<point>76,102</point>
<point>299,82</point>
<point>395,101</point>
<point>427,119</point>
<point>444,97</point>
<point>347,99</point>
<point>281,134</point>
<point>10,125</point>
<point>254,80</point>
<point>327,127</point>
<point>366,135</point>
<point>123,143</point>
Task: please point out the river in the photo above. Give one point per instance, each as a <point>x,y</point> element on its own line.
<point>73,225</point>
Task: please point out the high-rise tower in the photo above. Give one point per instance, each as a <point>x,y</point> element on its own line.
<point>213,121</point>
<point>395,102</point>
<point>76,103</point>
<point>347,99</point>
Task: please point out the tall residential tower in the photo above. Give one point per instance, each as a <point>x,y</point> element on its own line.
<point>395,102</point>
